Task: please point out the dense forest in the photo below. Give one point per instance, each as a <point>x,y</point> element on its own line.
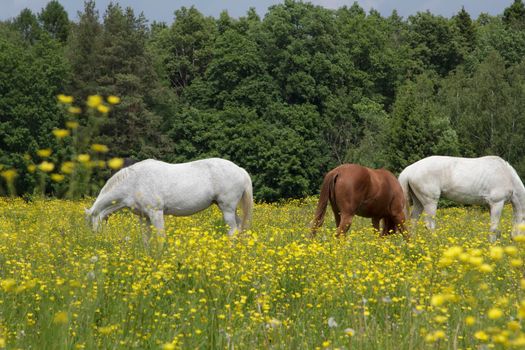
<point>287,96</point>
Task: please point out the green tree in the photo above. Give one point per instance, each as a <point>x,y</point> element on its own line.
<point>187,47</point>
<point>466,30</point>
<point>434,42</point>
<point>514,15</point>
<point>84,47</point>
<point>485,108</point>
<point>419,127</point>
<point>30,78</point>
<point>55,21</point>
<point>125,69</point>
<point>27,24</point>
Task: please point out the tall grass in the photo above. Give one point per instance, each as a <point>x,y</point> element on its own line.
<point>65,287</point>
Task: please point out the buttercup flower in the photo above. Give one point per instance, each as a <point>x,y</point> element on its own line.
<point>60,133</point>
<point>113,100</point>
<point>65,99</point>
<point>115,163</point>
<point>46,166</point>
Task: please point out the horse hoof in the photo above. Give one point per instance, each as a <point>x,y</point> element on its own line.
<point>493,237</point>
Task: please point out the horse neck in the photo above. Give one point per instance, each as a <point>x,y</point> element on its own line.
<point>518,197</point>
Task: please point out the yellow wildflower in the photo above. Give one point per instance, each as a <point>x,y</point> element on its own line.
<point>60,133</point>
<point>113,99</point>
<point>513,325</point>
<point>67,167</point>
<point>97,147</point>
<point>9,175</point>
<point>519,341</point>
<point>93,101</point>
<point>440,319</point>
<point>65,99</point>
<point>7,284</point>
<point>470,320</point>
<point>57,177</point>
<point>60,317</point>
<point>496,253</point>
<point>516,262</point>
<point>71,124</point>
<point>31,168</point>
<point>521,309</point>
<point>438,300</point>
<point>45,152</point>
<point>494,313</point>
<point>103,109</point>
<point>46,166</point>
<point>115,163</point>
<point>107,329</point>
<point>169,346</point>
<point>453,252</point>
<point>485,268</point>
<point>439,334</point>
<point>519,239</point>
<point>2,342</point>
<point>74,110</point>
<point>481,335</point>
<point>83,158</point>
<point>511,250</point>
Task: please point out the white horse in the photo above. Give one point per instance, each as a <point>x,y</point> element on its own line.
<point>152,188</point>
<point>486,180</point>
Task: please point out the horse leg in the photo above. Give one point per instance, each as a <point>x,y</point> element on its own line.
<point>417,209</point>
<point>156,218</point>
<point>230,217</point>
<point>344,224</point>
<point>495,215</point>
<point>145,225</point>
<point>387,227</point>
<point>375,223</point>
<point>430,218</point>
<point>399,225</point>
<point>337,214</point>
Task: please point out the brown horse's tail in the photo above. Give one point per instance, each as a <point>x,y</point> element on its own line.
<point>327,193</point>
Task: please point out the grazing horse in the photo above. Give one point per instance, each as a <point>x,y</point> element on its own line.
<point>486,180</point>
<point>356,190</point>
<point>152,188</point>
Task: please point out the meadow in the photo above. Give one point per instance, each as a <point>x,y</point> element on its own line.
<point>273,287</point>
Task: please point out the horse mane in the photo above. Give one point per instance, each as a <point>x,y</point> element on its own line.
<point>116,179</point>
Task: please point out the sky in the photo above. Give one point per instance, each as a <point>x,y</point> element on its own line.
<point>162,10</point>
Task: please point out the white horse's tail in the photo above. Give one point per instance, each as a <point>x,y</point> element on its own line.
<point>247,204</point>
<point>403,181</point>
<point>518,196</point>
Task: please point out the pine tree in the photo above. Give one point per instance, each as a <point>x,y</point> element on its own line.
<point>514,15</point>
<point>83,52</point>
<point>55,21</point>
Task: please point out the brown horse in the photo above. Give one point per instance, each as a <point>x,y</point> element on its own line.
<point>356,190</point>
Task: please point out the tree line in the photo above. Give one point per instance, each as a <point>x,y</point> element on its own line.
<point>287,96</point>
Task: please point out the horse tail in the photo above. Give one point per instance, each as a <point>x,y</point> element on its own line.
<point>518,196</point>
<point>327,193</point>
<point>247,204</point>
<point>405,186</point>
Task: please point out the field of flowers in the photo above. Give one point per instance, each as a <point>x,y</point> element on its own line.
<point>65,287</point>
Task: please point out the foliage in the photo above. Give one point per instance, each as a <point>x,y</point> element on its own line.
<point>288,96</point>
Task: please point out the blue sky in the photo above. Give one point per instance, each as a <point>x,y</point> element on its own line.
<point>162,10</point>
